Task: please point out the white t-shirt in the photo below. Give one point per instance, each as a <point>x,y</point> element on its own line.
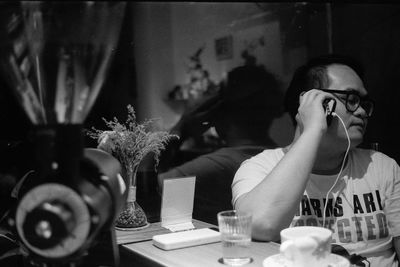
<point>355,205</point>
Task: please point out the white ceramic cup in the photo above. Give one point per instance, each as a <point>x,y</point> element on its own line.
<point>306,246</point>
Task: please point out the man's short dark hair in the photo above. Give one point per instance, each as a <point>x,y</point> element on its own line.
<point>251,93</point>
<point>251,97</point>
<point>314,75</point>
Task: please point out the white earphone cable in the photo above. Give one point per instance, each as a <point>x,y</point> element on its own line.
<point>340,172</point>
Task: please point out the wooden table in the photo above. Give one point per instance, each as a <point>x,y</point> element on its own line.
<point>144,253</point>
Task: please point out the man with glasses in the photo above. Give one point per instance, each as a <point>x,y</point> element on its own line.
<point>322,178</point>
<point>352,100</point>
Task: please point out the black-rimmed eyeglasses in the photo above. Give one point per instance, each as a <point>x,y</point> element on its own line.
<point>353,100</point>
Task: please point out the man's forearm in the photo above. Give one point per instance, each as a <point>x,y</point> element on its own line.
<point>275,200</point>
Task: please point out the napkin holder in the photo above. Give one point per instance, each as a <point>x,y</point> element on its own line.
<point>177,203</point>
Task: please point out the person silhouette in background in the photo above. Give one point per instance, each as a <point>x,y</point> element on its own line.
<point>241,113</point>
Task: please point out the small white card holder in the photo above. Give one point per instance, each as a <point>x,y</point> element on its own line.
<point>177,203</point>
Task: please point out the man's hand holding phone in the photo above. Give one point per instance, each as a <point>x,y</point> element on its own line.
<point>312,112</point>
<point>329,106</point>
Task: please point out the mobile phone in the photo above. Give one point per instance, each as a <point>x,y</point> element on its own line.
<point>329,106</point>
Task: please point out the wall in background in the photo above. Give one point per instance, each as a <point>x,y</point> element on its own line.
<point>166,35</point>
<point>153,59</point>
<point>119,88</point>
<point>201,24</point>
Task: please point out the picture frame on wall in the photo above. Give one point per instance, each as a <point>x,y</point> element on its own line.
<point>224,47</point>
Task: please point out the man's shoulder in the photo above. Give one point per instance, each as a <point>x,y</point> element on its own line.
<point>238,151</point>
<point>237,156</point>
<point>371,153</point>
<point>373,156</point>
<point>267,155</point>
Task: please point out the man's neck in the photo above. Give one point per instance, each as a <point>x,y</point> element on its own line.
<point>328,163</point>
<point>236,136</point>
<point>329,158</point>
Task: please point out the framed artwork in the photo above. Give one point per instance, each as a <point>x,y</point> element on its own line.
<point>224,47</point>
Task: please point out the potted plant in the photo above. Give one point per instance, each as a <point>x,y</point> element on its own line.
<point>129,143</point>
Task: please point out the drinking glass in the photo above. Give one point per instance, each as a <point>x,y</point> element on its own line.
<point>235,229</point>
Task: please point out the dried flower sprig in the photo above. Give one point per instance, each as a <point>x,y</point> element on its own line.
<point>130,142</point>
